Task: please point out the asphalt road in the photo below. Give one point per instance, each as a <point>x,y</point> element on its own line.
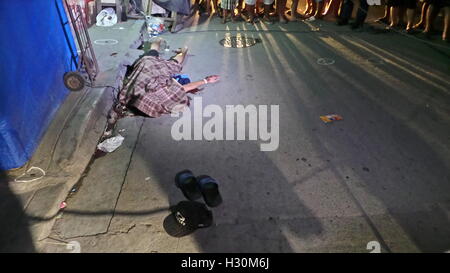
<point>381,174</point>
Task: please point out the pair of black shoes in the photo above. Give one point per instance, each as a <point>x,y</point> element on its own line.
<point>195,187</point>
<point>188,216</point>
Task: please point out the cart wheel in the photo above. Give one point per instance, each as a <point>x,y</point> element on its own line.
<point>74,81</point>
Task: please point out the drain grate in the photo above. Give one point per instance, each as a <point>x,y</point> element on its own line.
<point>238,41</point>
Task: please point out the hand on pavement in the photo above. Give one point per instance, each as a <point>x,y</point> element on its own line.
<point>212,78</point>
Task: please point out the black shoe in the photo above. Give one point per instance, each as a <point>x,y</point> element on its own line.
<point>210,190</point>
<point>187,183</point>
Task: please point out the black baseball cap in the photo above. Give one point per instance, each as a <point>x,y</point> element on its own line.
<point>186,217</point>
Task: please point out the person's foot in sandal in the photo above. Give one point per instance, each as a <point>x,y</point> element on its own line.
<point>382,20</point>
<point>419,26</point>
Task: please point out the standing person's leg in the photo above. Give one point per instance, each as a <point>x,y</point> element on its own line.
<point>309,8</point>
<point>314,8</point>
<point>259,8</point>
<point>216,8</point>
<point>361,14</point>
<point>208,7</point>
<point>281,7</point>
<point>346,12</point>
<point>423,14</point>
<point>410,9</point>
<point>225,15</point>
<point>319,9</point>
<point>338,7</point>
<point>387,11</point>
<point>225,5</point>
<point>401,13</point>
<point>232,8</point>
<point>446,32</point>
<point>295,15</point>
<point>195,7</point>
<point>267,6</point>
<point>433,9</point>
<point>239,7</point>
<point>394,14</point>
<point>250,8</point>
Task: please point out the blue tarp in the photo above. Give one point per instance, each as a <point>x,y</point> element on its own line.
<point>36,49</point>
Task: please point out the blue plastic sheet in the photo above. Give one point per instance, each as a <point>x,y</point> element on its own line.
<point>36,49</point>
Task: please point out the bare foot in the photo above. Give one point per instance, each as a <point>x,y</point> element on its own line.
<point>419,25</point>
<point>156,45</point>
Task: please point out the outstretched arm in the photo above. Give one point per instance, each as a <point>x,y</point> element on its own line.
<point>194,85</point>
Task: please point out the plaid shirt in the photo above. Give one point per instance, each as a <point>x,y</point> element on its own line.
<point>151,89</point>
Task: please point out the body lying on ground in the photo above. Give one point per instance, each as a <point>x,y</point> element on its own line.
<point>150,89</point>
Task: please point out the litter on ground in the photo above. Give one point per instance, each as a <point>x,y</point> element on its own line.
<point>330,118</point>
<point>111,144</point>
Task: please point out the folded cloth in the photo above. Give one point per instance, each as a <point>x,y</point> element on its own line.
<point>151,88</point>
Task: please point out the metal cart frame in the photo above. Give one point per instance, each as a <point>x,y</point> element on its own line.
<point>87,66</point>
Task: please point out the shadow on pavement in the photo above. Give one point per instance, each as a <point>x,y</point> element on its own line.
<point>15,236</point>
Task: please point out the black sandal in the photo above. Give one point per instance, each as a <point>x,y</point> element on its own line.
<point>210,190</point>
<point>187,183</point>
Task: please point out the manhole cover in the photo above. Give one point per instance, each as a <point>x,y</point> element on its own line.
<point>238,41</point>
<point>106,42</point>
